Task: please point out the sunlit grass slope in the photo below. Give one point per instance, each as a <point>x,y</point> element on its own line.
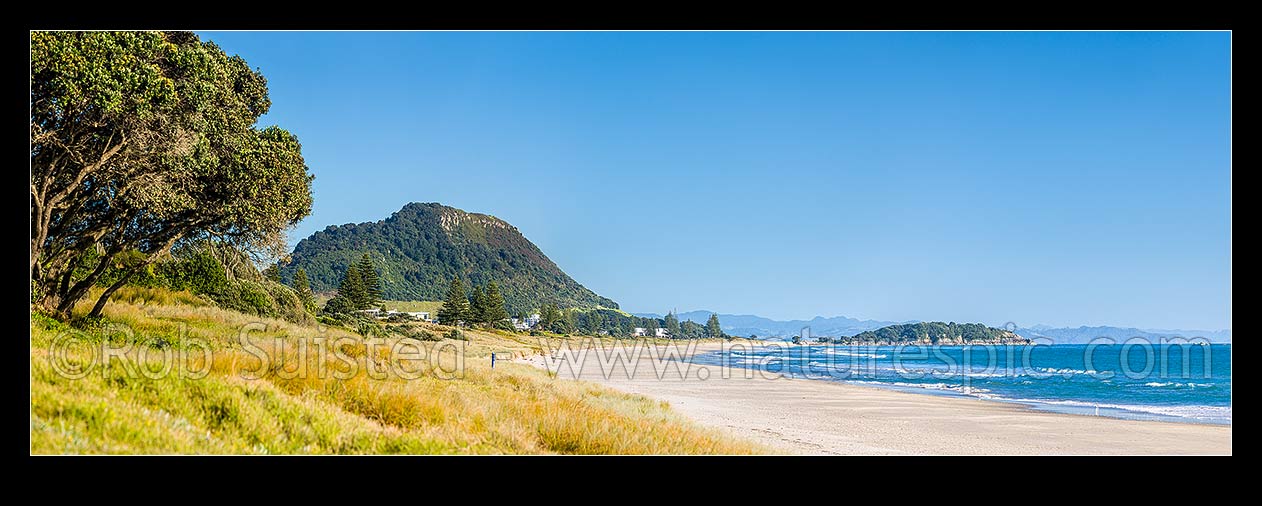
<point>241,407</point>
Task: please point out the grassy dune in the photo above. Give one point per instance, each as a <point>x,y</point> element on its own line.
<point>240,406</point>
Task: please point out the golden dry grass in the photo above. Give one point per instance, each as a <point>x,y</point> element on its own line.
<point>240,406</point>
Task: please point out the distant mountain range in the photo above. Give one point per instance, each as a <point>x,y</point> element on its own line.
<point>1082,335</point>
<point>837,326</point>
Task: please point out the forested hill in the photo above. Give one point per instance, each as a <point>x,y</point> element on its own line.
<point>418,249</point>
<point>935,333</point>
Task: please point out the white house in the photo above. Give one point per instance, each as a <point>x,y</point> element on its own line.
<point>526,323</point>
<point>415,315</point>
<point>641,332</point>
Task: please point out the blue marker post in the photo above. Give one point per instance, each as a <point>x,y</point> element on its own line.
<point>492,361</point>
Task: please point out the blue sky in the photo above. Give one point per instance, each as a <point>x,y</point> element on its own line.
<point>1058,178</point>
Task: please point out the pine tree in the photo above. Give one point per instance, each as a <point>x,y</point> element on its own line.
<point>456,307</point>
<point>477,306</point>
<point>493,310</point>
<point>352,288</point>
<point>272,272</point>
<point>303,288</point>
<point>712,328</point>
<point>371,282</point>
<point>672,325</point>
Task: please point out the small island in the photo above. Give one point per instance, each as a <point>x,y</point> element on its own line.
<point>931,333</point>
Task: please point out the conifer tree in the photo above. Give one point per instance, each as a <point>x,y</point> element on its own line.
<point>672,324</point>
<point>303,288</point>
<point>477,306</point>
<point>493,309</point>
<point>456,306</point>
<point>352,288</point>
<point>712,328</point>
<point>370,281</point>
<point>272,272</point>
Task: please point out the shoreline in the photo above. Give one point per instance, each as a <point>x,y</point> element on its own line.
<point>1032,404</point>
<point>812,416</point>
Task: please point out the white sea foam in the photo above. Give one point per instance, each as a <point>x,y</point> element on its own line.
<point>1053,370</point>
<point>1176,384</point>
<point>1216,414</point>
<point>1196,412</point>
<point>845,353</point>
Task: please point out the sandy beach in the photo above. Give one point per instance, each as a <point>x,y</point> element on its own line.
<point>801,416</point>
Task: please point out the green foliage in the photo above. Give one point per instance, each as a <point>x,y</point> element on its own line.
<point>712,327</point>
<point>594,324</point>
<point>272,272</point>
<point>338,306</point>
<point>368,327</point>
<point>689,329</point>
<point>142,140</point>
<point>420,248</point>
<point>217,272</point>
<point>569,321</point>
<point>493,310</point>
<point>352,288</point>
<point>196,270</point>
<point>650,327</point>
<point>477,306</point>
<point>455,306</point>
<point>549,316</point>
<point>355,292</point>
<point>303,289</point>
<point>370,281</point>
<point>672,325</point>
<point>934,333</point>
<point>612,322</point>
<point>456,334</point>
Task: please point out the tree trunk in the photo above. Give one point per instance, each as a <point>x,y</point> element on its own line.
<point>105,296</point>
<point>68,298</point>
<point>126,277</point>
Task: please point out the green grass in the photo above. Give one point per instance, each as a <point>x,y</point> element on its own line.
<point>430,306</point>
<point>513,408</point>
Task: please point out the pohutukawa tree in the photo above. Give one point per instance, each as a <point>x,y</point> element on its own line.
<point>140,140</point>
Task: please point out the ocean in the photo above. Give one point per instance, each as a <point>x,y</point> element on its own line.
<point>1183,383</point>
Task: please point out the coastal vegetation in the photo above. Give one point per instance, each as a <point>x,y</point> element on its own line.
<point>238,407</point>
<point>932,333</point>
<point>141,141</point>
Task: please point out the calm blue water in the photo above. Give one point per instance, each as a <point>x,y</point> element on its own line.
<point>1186,383</point>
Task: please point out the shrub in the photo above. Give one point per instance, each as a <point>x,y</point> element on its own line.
<point>200,269</point>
